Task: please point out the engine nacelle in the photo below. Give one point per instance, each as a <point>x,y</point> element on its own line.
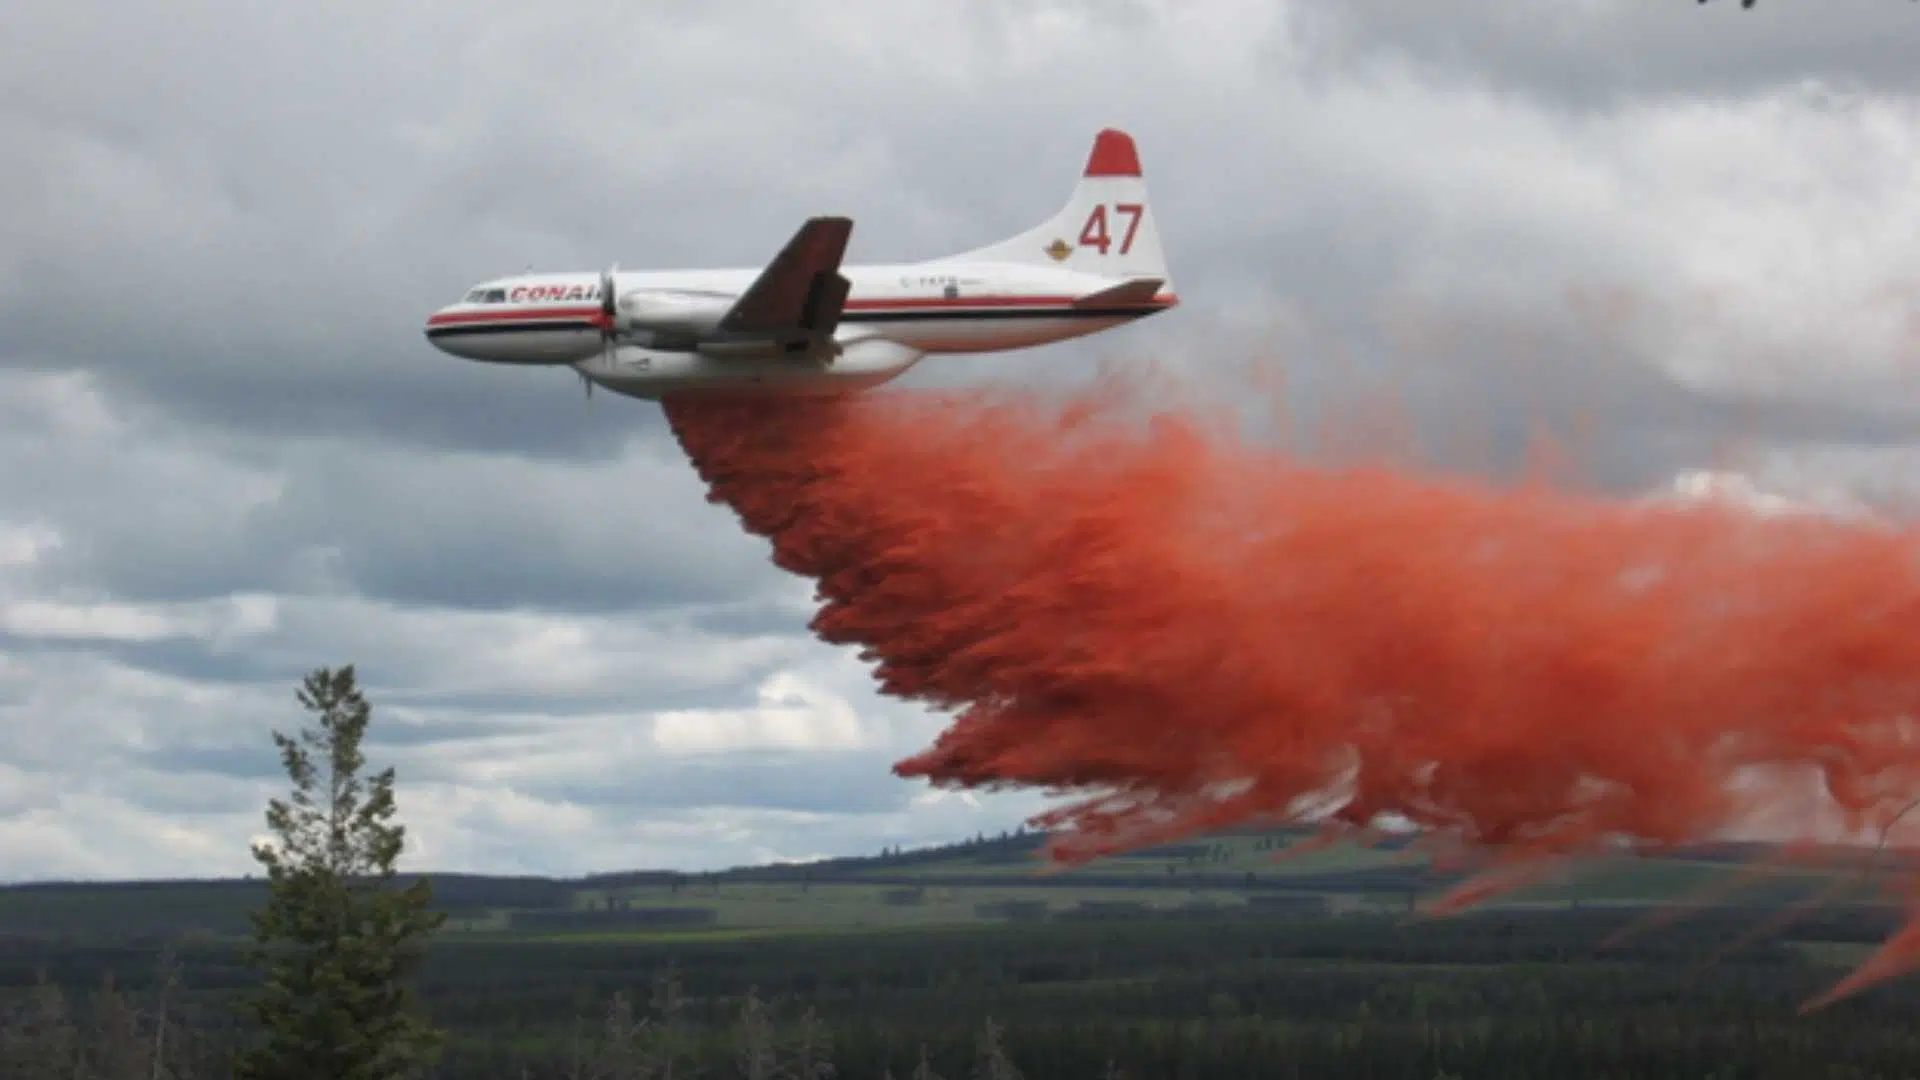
<point>671,311</point>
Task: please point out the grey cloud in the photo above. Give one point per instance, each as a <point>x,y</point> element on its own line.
<point>440,406</point>
<point>401,732</point>
<point>335,267</point>
<point>23,793</point>
<point>13,693</point>
<point>637,695</point>
<point>562,171</point>
<point>172,656</point>
<point>190,792</point>
<point>1596,55</point>
<point>1481,389</point>
<point>437,677</point>
<point>756,618</point>
<point>818,782</point>
<point>191,517</point>
<point>507,533</point>
<point>259,759</point>
<point>424,659</point>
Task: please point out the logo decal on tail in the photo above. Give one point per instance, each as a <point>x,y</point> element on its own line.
<point>1059,250</point>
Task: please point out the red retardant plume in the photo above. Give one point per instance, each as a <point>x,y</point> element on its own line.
<point>1195,633</point>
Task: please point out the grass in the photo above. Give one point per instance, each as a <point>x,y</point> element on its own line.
<point>1228,855</point>
<point>609,937</point>
<point>1834,954</point>
<point>722,935</point>
<point>862,905</point>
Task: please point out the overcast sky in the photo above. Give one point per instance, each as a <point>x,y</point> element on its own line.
<point>227,455</point>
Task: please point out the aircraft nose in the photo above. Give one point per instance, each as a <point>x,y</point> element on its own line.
<point>433,328</point>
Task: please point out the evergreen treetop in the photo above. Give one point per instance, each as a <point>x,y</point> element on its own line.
<point>336,940</point>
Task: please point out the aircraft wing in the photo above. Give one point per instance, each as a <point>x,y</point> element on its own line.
<point>801,292</point>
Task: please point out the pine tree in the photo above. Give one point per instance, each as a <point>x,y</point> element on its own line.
<point>336,939</point>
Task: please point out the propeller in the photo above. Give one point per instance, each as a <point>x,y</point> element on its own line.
<point>606,325</point>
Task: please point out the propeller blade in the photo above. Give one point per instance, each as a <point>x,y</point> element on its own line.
<point>607,344</point>
<point>606,323</point>
<point>606,297</point>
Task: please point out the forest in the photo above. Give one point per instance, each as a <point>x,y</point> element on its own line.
<point>1177,996</point>
<point>1501,993</point>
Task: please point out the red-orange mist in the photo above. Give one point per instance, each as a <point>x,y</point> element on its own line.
<point>1193,632</point>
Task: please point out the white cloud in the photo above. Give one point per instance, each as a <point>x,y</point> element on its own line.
<point>23,545</point>
<point>936,796</point>
<point>1739,490</point>
<point>793,715</point>
<point>1787,226</point>
<point>219,623</point>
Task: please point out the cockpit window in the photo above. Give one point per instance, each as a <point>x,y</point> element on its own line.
<point>476,296</point>
<point>496,296</point>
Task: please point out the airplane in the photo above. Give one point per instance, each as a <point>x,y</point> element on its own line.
<point>806,323</point>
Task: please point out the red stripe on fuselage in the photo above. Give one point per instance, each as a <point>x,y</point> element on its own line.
<point>936,303</point>
<point>934,306</point>
<point>931,304</point>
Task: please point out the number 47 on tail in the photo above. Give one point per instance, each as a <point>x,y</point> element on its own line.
<point>1095,234</point>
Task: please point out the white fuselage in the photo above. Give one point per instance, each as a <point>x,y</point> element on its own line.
<point>894,315</point>
<point>808,323</point>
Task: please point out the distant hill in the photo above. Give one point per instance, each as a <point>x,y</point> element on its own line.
<point>985,878</point>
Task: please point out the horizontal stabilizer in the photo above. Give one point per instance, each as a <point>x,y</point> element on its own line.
<point>1136,291</point>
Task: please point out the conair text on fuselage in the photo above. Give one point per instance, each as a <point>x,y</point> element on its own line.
<point>534,294</point>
